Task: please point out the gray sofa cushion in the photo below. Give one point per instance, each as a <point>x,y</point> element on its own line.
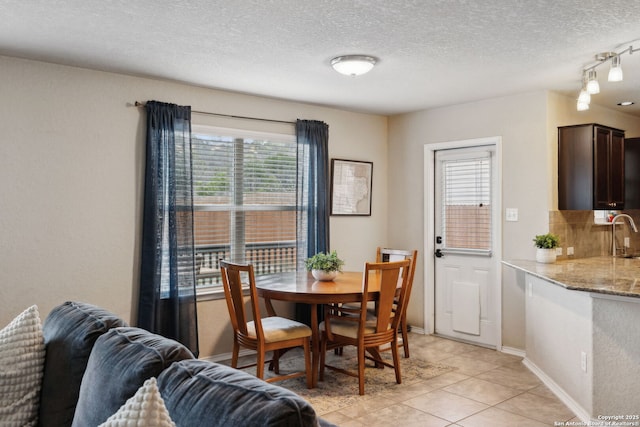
<point>201,393</point>
<point>121,360</point>
<point>70,331</point>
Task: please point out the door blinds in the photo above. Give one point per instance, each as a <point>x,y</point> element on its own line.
<point>466,203</point>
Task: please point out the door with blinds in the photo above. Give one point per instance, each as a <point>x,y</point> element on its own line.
<point>465,232</point>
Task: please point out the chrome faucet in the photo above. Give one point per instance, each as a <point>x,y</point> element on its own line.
<point>613,230</point>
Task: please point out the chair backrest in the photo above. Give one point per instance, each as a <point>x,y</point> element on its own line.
<point>232,279</point>
<point>390,306</point>
<point>388,255</point>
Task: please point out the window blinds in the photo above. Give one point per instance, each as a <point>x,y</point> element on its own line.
<point>244,201</point>
<point>466,207</point>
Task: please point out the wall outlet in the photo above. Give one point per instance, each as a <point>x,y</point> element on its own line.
<point>583,361</point>
<point>570,251</point>
<point>627,242</point>
<point>559,251</point>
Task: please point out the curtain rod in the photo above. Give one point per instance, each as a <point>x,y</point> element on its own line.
<point>206,113</point>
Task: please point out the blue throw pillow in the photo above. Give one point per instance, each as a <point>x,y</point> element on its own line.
<point>121,361</point>
<point>201,393</point>
<point>70,331</point>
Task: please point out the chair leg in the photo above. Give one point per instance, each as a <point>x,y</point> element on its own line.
<point>234,355</point>
<point>361,369</point>
<point>396,361</point>
<point>260,364</point>
<point>275,362</point>
<point>405,337</point>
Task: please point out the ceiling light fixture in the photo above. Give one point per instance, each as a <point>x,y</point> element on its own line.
<point>615,73</point>
<point>584,98</point>
<point>353,65</point>
<point>582,106</point>
<point>593,87</point>
<point>590,85</point>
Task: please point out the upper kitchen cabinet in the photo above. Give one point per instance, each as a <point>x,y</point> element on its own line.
<point>632,173</point>
<point>590,167</point>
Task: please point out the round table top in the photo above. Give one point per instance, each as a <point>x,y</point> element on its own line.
<point>303,287</point>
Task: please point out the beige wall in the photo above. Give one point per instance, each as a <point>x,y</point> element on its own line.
<point>528,125</point>
<point>71,168</point>
<point>520,121</point>
<point>71,171</point>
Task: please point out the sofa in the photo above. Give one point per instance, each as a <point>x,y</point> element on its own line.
<point>95,362</point>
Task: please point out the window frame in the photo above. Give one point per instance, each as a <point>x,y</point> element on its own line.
<point>215,291</point>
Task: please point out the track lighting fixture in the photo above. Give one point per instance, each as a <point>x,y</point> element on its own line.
<point>590,85</point>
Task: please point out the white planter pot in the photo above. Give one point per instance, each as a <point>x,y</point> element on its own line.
<point>325,276</point>
<point>546,256</point>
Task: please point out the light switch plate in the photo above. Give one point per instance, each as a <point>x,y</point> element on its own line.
<point>511,214</point>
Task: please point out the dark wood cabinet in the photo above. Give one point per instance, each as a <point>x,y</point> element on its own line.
<point>632,173</point>
<point>591,167</point>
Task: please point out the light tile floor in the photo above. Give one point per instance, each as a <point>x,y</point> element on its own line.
<point>488,388</point>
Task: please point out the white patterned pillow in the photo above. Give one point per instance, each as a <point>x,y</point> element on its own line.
<point>22,354</point>
<point>145,408</point>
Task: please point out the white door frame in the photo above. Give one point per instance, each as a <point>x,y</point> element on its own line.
<point>429,227</point>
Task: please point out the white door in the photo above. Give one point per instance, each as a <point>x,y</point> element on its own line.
<point>466,218</point>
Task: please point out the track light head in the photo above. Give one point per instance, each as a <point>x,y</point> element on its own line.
<point>593,87</point>
<point>615,73</point>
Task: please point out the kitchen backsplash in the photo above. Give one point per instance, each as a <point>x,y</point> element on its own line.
<point>577,229</point>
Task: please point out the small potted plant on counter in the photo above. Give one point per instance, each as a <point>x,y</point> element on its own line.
<point>546,244</point>
<point>324,266</point>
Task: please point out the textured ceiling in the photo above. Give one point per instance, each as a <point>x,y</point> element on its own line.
<point>432,52</point>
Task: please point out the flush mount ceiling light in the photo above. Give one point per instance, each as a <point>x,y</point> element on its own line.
<point>353,65</point>
<point>590,85</point>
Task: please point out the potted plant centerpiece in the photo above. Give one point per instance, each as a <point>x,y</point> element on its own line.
<point>324,266</point>
<point>546,244</point>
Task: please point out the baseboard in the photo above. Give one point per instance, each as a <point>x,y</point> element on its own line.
<point>513,351</point>
<point>574,406</point>
<point>416,330</point>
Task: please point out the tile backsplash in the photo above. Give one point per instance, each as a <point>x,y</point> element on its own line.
<point>578,229</point>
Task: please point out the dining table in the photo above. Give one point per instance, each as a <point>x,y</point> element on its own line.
<point>302,287</point>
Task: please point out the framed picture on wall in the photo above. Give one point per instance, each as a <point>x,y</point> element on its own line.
<point>351,187</point>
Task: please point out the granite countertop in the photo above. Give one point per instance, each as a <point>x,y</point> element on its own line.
<point>605,274</point>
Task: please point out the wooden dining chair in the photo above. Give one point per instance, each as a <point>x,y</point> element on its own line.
<point>387,255</point>
<point>261,334</point>
<point>348,325</point>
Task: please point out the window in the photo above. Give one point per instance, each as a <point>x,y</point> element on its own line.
<point>244,186</point>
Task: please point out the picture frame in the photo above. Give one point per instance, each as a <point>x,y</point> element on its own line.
<point>351,186</point>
